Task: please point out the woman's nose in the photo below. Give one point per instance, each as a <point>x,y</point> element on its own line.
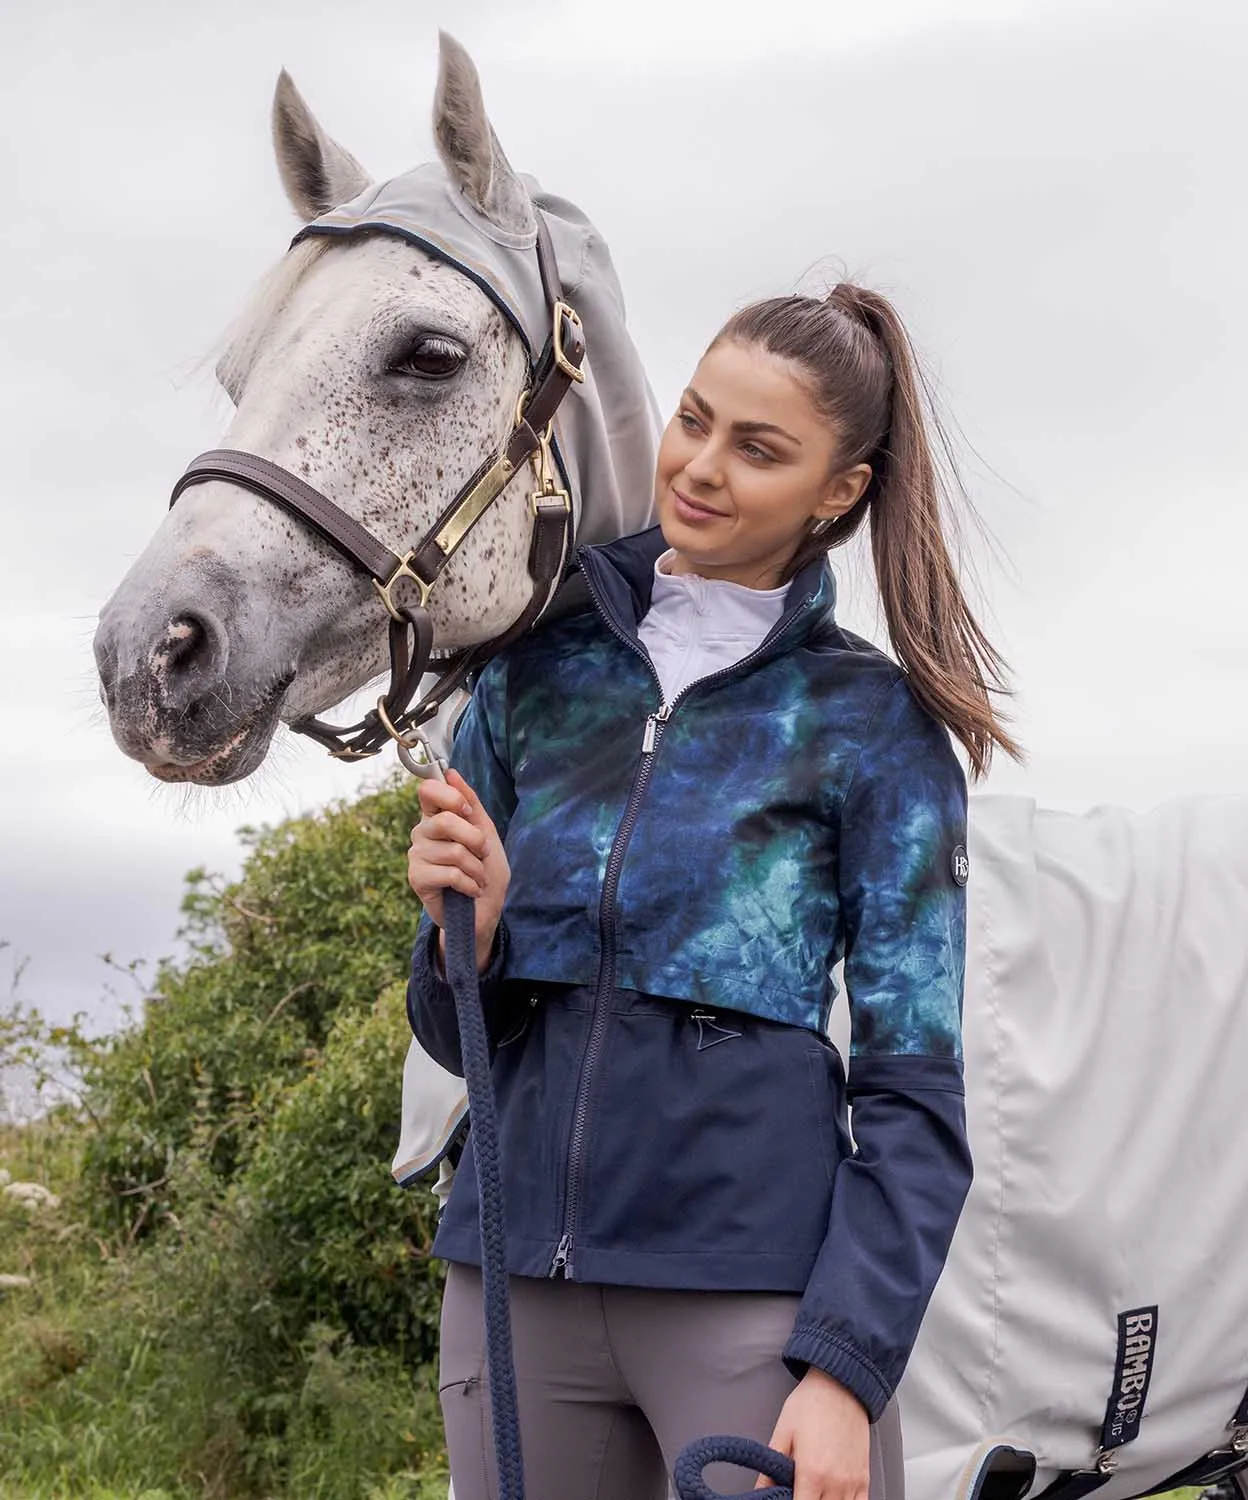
<point>704,467</point>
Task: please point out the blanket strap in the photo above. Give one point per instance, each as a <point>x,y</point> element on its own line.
<point>1219,1463</point>
<point>1075,1484</point>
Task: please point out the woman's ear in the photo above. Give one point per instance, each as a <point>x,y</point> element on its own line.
<point>842,492</point>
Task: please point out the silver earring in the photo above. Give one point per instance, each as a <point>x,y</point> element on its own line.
<point>821,526</point>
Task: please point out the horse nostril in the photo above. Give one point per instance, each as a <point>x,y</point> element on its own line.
<point>193,648</point>
<point>184,640</point>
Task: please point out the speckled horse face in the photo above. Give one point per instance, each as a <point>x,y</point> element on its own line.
<point>381,376</point>
<point>384,383</point>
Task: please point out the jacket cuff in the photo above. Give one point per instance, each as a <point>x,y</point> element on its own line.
<point>428,961</point>
<point>811,1345</point>
<point>428,979</point>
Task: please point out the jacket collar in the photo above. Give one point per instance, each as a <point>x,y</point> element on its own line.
<point>621,579</point>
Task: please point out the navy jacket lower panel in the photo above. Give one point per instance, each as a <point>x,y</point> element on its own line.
<point>715,1155</point>
<point>895,1204</point>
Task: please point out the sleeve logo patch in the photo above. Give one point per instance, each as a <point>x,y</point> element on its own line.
<point>960,865</point>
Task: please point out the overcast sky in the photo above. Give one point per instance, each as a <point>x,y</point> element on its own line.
<point>1052,192</point>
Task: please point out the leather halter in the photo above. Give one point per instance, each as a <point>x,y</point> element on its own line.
<point>396,717</point>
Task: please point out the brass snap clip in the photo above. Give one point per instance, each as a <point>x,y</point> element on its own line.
<point>548,495</point>
<point>425,761</point>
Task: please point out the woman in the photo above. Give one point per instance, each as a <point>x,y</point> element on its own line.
<point>677,808</point>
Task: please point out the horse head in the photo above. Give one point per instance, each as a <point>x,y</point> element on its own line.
<point>382,362</point>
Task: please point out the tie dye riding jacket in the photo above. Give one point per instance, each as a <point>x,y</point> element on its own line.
<point>684,877</point>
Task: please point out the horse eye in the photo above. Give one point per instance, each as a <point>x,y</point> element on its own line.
<point>430,357</point>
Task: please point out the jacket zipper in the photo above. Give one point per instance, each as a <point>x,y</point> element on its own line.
<point>561,1263</point>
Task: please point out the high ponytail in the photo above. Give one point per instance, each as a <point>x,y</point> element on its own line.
<point>865,380</point>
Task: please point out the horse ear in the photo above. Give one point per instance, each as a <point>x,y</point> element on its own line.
<point>468,146</point>
<point>316,172</point>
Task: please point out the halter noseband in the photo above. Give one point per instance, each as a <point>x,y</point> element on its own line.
<point>396,717</point>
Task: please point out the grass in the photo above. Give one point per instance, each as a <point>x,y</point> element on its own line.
<point>106,1395</point>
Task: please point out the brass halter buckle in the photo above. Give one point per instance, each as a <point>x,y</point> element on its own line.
<point>562,310</point>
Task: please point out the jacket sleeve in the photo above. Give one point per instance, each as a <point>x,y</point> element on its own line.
<point>480,755</point>
<point>896,1200</point>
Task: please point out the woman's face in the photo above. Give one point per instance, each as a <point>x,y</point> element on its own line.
<point>746,466</point>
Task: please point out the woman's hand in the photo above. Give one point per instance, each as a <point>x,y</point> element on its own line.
<point>456,845</point>
<point>825,1431</point>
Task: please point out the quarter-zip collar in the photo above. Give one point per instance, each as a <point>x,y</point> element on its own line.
<point>621,575</point>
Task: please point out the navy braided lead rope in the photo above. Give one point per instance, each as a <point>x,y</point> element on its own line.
<point>459,927</point>
<point>690,1462</point>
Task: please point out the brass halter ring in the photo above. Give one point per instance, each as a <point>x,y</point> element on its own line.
<point>404,570</point>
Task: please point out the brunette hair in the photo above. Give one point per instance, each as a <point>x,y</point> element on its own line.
<point>864,378</point>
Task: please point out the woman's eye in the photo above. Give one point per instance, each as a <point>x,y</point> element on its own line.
<point>688,421</point>
<point>752,450</point>
<point>429,358</point>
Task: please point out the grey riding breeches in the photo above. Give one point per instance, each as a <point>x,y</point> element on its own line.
<point>614,1381</point>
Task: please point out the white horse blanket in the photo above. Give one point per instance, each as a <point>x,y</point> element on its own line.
<point>1106,1029</point>
<point>1098,1277</point>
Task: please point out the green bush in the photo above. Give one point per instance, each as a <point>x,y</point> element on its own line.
<point>234,1298</point>
<point>342,1242</point>
<point>319,923</point>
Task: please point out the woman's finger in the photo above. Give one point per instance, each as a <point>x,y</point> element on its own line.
<point>429,881</point>
<point>452,856</point>
<point>440,796</point>
<point>449,827</point>
<point>457,880</point>
<point>782,1442</point>
<point>476,813</point>
<point>457,783</point>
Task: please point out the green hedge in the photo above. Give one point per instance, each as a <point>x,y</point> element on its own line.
<point>234,1298</point>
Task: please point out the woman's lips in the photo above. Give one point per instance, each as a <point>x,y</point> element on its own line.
<point>692,512</point>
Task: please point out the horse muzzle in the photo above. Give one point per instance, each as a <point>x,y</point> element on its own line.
<point>175,705</point>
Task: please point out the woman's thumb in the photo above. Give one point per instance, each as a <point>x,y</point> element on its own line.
<point>453,778</point>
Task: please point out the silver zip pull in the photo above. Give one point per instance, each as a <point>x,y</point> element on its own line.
<point>652,728</point>
<point>559,1265</point>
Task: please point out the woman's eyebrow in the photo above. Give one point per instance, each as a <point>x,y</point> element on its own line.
<point>708,411</point>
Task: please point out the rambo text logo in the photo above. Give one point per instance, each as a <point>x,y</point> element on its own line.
<point>1137,1343</point>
